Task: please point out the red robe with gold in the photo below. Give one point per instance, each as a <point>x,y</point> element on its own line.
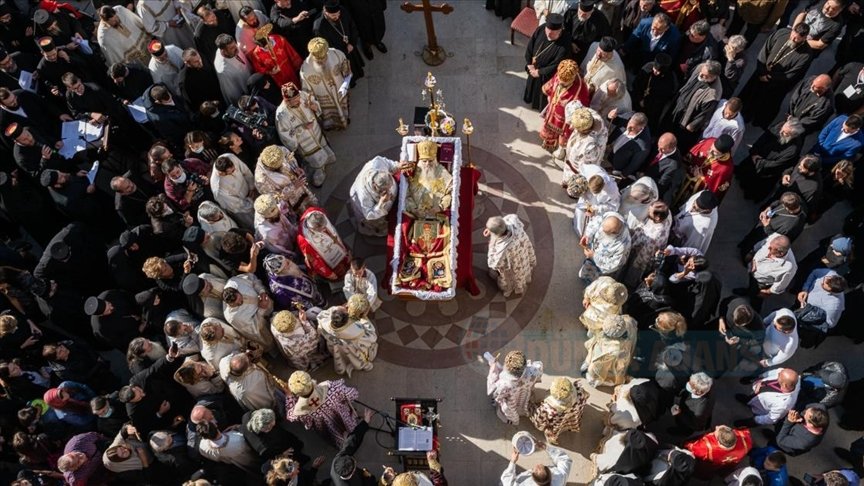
<point>283,59</point>
<point>716,174</point>
<point>712,458</point>
<point>318,247</point>
<point>555,130</point>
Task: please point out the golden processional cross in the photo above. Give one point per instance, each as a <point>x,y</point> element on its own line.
<point>432,54</point>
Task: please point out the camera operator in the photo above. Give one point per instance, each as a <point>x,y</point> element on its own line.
<point>187,183</point>
<point>254,120</point>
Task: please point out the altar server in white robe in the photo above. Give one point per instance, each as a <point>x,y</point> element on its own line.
<point>373,194</point>
<point>248,308</point>
<point>350,336</point>
<point>167,20</point>
<point>326,74</point>
<point>602,63</point>
<point>232,68</point>
<point>121,36</point>
<point>165,64</point>
<point>249,385</point>
<point>599,195</point>
<point>233,187</point>
<point>557,473</point>
<point>299,130</point>
<point>695,222</point>
<point>272,226</point>
<point>218,340</point>
<point>359,280</point>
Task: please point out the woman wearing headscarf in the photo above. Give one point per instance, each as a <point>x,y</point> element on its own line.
<point>289,286</point>
<point>636,199</point>
<point>596,194</point>
<point>650,235</point>
<point>606,246</point>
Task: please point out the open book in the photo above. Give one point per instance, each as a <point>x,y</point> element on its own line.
<point>415,439</point>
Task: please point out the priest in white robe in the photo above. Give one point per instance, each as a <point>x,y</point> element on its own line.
<point>373,194</point>
<point>122,37</point>
<point>272,225</point>
<point>598,195</point>
<point>350,336</point>
<point>602,63</point>
<point>249,385</point>
<point>299,130</point>
<point>695,222</point>
<point>298,340</point>
<point>511,259</point>
<point>510,386</point>
<point>233,189</point>
<point>326,74</point>
<point>361,281</point>
<point>218,340</point>
<point>586,145</point>
<point>248,308</point>
<point>165,65</point>
<point>611,96</point>
<point>279,174</point>
<point>232,68</point>
<point>167,20</point>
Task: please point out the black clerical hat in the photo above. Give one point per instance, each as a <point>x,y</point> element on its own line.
<point>127,239</point>
<point>707,200</point>
<point>662,60</point>
<point>608,44</point>
<point>42,18</point>
<point>193,236</point>
<point>724,143</point>
<point>554,21</point>
<point>344,465</point>
<point>331,6</point>
<point>59,250</point>
<point>192,284</point>
<point>13,130</point>
<point>46,44</point>
<point>587,5</point>
<point>156,47</point>
<point>94,306</point>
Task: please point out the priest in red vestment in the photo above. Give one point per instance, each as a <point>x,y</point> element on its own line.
<point>273,55</point>
<point>322,248</point>
<point>719,451</point>
<point>565,86</point>
<point>709,167</point>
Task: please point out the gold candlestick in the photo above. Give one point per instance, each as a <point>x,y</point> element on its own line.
<point>402,128</point>
<point>468,129</point>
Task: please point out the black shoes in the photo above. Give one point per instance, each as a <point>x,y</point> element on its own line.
<point>367,51</point>
<point>381,47</point>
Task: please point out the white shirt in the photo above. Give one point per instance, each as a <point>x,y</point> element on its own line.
<point>559,471</point>
<point>720,125</point>
<point>769,407</point>
<point>777,346</point>
<point>234,450</point>
<point>776,271</point>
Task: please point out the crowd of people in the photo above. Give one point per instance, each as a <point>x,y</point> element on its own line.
<point>644,108</point>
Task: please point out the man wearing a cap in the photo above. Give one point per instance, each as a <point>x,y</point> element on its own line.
<point>78,199</point>
<point>602,63</point>
<point>29,109</point>
<point>165,63</point>
<point>548,46</point>
<point>339,30</point>
<point>695,222</point>
<point>14,65</point>
<point>114,318</point>
<point>298,133</point>
<point>586,25</point>
<point>166,19</point>
<point>833,255</point>
<point>206,249</point>
<point>121,36</point>
<point>55,63</point>
<point>326,74</point>
<point>710,166</point>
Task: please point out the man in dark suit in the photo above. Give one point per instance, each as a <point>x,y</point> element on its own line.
<point>29,109</point>
<point>694,406</point>
<point>629,143</point>
<point>666,169</point>
<point>652,36</point>
<point>154,401</point>
<point>344,470</point>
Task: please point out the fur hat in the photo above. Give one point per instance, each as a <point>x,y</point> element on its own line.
<point>515,362</point>
<point>582,119</point>
<point>358,307</point>
<point>267,205</point>
<point>561,388</point>
<point>284,321</point>
<point>300,383</point>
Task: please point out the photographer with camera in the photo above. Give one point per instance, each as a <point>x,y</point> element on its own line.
<point>253,118</point>
<point>187,183</point>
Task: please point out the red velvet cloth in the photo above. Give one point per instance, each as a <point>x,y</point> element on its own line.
<point>470,179</point>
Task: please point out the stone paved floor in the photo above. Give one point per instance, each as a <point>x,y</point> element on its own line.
<point>430,350</point>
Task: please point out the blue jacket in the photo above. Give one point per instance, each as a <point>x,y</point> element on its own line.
<point>771,478</point>
<point>830,150</point>
<point>640,41</point>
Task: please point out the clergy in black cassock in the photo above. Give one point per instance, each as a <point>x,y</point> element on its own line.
<point>781,63</point>
<point>549,45</point>
<point>339,30</point>
<point>369,17</point>
<point>214,22</point>
<point>586,25</point>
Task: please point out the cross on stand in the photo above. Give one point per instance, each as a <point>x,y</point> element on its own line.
<point>432,54</point>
